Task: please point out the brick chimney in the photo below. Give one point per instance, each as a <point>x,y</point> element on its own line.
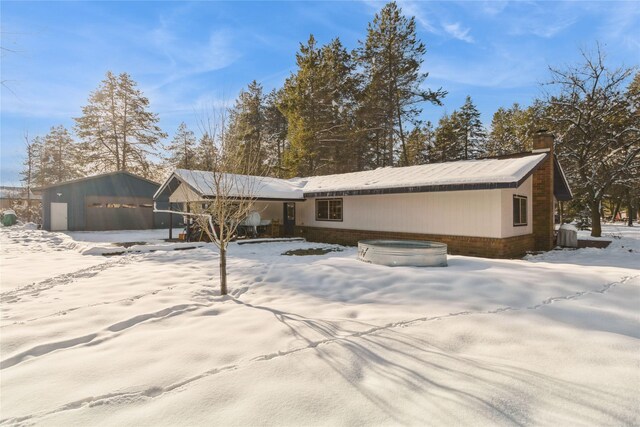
<point>542,197</point>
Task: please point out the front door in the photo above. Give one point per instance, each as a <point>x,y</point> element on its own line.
<point>58,217</point>
<point>289,216</point>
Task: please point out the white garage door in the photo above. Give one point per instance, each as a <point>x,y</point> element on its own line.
<point>58,216</point>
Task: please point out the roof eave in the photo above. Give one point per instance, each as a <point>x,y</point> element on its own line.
<point>87,178</point>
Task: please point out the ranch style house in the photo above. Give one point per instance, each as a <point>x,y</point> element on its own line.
<point>498,207</point>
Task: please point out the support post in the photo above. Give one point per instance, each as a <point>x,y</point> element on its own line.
<point>170,223</point>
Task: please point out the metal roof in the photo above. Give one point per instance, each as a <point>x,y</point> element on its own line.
<point>481,174</point>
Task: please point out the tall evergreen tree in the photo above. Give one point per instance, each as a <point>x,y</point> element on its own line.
<point>471,132</point>
<point>206,152</point>
<point>390,59</point>
<point>275,133</point>
<point>55,157</point>
<point>318,102</point>
<point>338,102</point>
<point>30,174</point>
<point>513,128</point>
<point>116,127</point>
<point>246,125</point>
<point>446,146</point>
<point>182,148</point>
<point>419,144</point>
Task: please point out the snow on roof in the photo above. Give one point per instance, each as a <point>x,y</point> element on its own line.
<point>239,185</point>
<point>501,172</point>
<point>458,175</point>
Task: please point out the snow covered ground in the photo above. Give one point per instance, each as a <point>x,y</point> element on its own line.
<point>144,338</point>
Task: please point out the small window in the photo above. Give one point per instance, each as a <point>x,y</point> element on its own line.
<point>329,210</point>
<point>519,211</point>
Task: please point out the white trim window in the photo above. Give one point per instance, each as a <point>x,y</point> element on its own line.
<point>519,210</point>
<point>329,209</point>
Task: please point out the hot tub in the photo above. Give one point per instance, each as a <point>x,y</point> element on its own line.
<point>403,252</point>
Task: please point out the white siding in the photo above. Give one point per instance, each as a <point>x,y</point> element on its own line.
<point>461,213</point>
<point>184,194</point>
<point>508,230</point>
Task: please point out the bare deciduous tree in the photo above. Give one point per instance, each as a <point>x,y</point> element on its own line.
<point>230,188</point>
<point>597,127</point>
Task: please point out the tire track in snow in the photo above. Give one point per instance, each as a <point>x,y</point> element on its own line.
<point>157,391</point>
<point>72,309</point>
<point>108,333</point>
<point>34,289</point>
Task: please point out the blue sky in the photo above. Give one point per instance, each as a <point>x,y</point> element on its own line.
<point>187,56</point>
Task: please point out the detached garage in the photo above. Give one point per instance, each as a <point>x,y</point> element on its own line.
<point>111,201</point>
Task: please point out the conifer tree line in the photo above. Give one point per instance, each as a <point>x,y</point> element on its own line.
<point>346,110</point>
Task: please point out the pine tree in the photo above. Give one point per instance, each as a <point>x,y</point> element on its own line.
<point>503,137</point>
<point>183,148</point>
<point>117,130</point>
<point>275,133</point>
<point>246,125</point>
<point>470,130</point>
<point>38,173</point>
<point>318,102</point>
<point>206,153</point>
<point>446,146</point>
<point>419,144</point>
<point>27,177</point>
<point>512,129</point>
<point>30,175</point>
<point>390,59</point>
<point>53,158</point>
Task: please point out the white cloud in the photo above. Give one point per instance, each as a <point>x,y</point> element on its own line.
<point>456,31</point>
<point>621,25</point>
<point>184,58</point>
<point>416,9</point>
<point>503,69</point>
<point>493,7</point>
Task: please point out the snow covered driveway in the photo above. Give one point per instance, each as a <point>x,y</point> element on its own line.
<point>145,339</point>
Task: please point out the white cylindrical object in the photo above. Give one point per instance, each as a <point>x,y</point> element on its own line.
<point>403,253</point>
<point>568,236</point>
<point>252,220</point>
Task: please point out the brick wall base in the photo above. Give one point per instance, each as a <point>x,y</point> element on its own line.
<point>488,247</point>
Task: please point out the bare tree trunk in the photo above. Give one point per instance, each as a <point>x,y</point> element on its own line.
<point>405,157</point>
<point>223,270</point>
<point>615,210</point>
<point>630,211</point>
<point>596,226</point>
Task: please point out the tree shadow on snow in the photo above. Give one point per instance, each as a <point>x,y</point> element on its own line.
<point>415,382</point>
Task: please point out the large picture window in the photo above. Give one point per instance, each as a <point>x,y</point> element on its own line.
<point>329,210</point>
<point>519,210</point>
